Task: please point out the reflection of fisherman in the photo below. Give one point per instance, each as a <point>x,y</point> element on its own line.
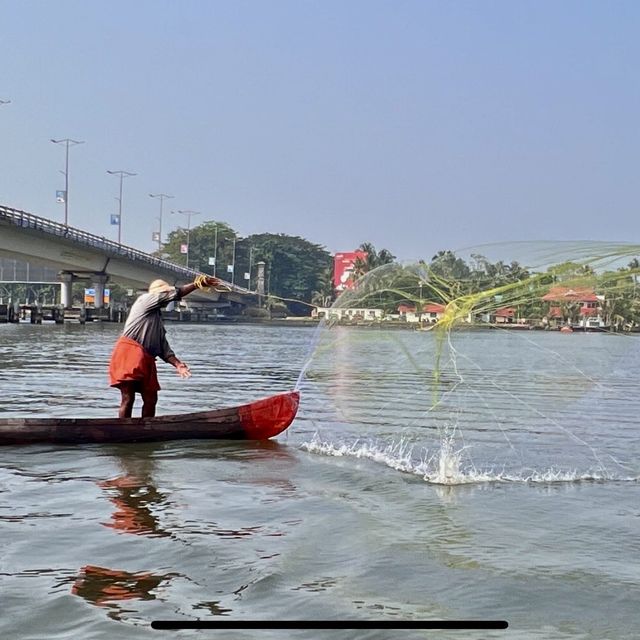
<point>132,367</point>
<point>136,500</point>
<point>103,586</point>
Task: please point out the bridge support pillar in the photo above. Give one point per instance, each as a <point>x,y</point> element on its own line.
<point>99,280</point>
<point>66,283</point>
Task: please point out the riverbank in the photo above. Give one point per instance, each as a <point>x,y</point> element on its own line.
<point>88,315</point>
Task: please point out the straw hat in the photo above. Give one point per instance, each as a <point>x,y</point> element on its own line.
<point>160,286</point>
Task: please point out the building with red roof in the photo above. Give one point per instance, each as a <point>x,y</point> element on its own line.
<point>574,306</point>
<point>405,308</point>
<point>506,315</point>
<point>431,312</point>
<point>568,294</point>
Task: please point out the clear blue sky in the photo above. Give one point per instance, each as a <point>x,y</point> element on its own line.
<point>414,125</point>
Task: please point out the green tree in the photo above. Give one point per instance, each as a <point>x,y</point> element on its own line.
<point>571,271</point>
<point>208,240</point>
<point>448,266</point>
<point>372,260</point>
<point>620,304</point>
<point>324,295</point>
<point>295,269</point>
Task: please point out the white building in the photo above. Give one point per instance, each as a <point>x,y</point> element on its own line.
<point>353,315</point>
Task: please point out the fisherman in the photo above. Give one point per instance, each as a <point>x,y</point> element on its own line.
<point>132,367</point>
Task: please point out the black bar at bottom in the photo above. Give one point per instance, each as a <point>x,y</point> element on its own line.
<point>174,625</point>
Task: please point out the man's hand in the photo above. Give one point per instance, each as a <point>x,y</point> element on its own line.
<point>204,282</point>
<point>183,370</point>
<point>211,281</point>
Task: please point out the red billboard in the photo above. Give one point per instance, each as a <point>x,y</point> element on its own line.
<point>343,264</point>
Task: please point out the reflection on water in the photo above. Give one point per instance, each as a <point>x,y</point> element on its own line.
<point>106,587</point>
<point>136,500</point>
<point>213,608</point>
<point>133,499</point>
<point>507,407</point>
<point>139,508</point>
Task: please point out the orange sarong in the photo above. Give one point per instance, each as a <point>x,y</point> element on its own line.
<point>130,362</point>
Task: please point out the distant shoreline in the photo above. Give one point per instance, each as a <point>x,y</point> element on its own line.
<point>401,326</point>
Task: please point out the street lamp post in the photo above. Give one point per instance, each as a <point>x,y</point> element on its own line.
<point>123,175</point>
<point>250,268</point>
<point>67,143</point>
<point>189,214</point>
<point>162,197</point>
<point>233,261</point>
<point>215,250</point>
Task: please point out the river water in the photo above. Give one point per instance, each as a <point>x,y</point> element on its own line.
<point>504,488</point>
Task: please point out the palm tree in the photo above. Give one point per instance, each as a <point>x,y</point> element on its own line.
<point>323,296</point>
<point>446,264</point>
<point>371,260</point>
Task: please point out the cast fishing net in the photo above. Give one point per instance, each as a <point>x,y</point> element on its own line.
<point>521,366</point>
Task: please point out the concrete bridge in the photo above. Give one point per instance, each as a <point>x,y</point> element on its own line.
<point>81,255</point>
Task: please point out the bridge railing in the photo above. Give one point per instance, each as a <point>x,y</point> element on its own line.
<point>31,221</point>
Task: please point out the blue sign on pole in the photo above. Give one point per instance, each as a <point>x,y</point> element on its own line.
<point>61,196</point>
<point>115,219</point>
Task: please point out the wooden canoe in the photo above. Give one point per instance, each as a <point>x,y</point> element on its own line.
<point>257,420</point>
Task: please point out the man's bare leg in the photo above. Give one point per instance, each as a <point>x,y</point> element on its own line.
<point>149,401</point>
<point>128,391</point>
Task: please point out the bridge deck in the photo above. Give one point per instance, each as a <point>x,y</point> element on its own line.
<point>108,248</point>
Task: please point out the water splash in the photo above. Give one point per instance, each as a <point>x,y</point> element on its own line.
<point>448,465</point>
